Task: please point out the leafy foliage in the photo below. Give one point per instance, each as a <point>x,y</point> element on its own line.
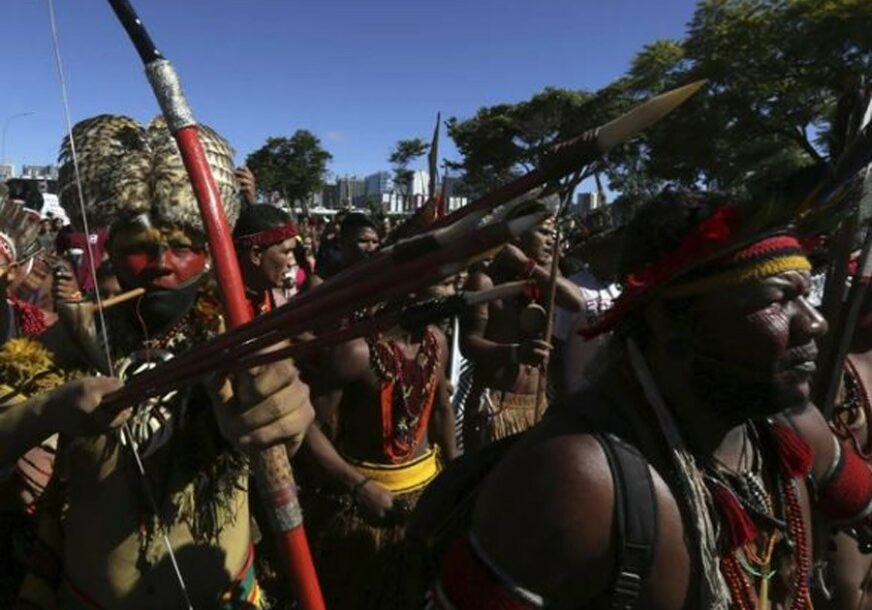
<point>295,167</point>
<point>402,154</point>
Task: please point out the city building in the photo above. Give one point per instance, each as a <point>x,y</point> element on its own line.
<point>379,183</point>
<point>588,202</point>
<point>7,171</point>
<point>39,172</point>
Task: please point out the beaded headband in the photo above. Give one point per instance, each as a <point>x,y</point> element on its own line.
<point>269,237</point>
<point>762,258</point>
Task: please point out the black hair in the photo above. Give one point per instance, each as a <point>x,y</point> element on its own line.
<point>105,270</point>
<point>658,228</point>
<point>354,222</point>
<point>259,217</point>
<point>661,224</point>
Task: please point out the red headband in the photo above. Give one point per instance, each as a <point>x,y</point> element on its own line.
<point>269,237</point>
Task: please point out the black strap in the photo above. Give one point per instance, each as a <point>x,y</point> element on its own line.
<point>635,520</point>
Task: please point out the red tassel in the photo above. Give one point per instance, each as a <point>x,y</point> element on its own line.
<point>794,454</point>
<point>737,525</point>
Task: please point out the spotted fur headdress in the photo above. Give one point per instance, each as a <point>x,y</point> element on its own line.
<point>128,170</point>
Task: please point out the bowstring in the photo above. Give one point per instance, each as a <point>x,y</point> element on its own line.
<point>105,331</point>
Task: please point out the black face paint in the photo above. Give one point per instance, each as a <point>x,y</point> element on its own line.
<point>160,309</point>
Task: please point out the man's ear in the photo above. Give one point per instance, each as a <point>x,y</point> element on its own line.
<point>255,255</point>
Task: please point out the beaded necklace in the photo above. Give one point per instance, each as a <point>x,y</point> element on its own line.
<point>748,553</point>
<point>408,387</point>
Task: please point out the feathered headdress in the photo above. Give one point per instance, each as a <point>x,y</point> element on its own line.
<point>19,229</point>
<point>128,169</point>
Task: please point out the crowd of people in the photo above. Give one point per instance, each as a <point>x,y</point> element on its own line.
<point>646,440</point>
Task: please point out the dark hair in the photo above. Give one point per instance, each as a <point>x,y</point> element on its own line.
<point>105,270</point>
<point>259,217</point>
<point>661,224</point>
<point>354,222</point>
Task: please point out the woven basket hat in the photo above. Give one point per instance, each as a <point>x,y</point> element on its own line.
<point>129,170</point>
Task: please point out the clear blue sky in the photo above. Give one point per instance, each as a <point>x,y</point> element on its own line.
<point>359,74</point>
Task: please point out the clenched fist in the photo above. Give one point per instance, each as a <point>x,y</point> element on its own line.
<point>264,406</point>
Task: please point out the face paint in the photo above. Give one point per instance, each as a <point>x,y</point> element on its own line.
<point>156,258</point>
<point>754,348</point>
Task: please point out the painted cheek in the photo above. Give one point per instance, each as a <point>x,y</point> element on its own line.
<point>772,328</point>
<point>184,266</point>
<point>136,263</point>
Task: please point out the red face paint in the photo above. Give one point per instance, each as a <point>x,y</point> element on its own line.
<point>156,258</point>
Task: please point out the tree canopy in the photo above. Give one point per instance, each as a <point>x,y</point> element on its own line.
<point>295,167</point>
<point>775,70</point>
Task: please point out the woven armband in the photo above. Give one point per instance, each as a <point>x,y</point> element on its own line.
<point>846,494</point>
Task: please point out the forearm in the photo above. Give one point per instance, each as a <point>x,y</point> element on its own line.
<point>23,426</point>
<point>342,474</point>
<point>478,349</point>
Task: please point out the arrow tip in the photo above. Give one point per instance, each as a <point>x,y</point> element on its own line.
<point>644,115</point>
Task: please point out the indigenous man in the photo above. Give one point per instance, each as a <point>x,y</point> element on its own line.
<point>358,238</point>
<point>22,481</point>
<point>106,533</point>
<point>681,483</point>
<point>265,240</point>
<point>505,349</point>
<point>385,406</point>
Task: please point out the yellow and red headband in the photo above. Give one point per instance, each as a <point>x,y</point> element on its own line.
<point>760,259</point>
<point>269,237</point>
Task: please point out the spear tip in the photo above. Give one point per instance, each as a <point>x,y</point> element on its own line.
<point>644,115</point>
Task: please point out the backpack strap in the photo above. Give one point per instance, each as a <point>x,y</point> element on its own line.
<point>635,520</point>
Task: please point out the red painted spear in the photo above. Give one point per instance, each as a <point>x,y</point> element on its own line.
<point>272,468</point>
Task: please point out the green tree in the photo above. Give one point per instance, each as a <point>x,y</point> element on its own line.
<point>504,141</point>
<point>294,167</point>
<point>402,154</point>
<point>774,69</point>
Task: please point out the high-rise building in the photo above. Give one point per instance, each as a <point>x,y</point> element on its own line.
<point>588,202</point>
<point>7,171</point>
<point>379,183</point>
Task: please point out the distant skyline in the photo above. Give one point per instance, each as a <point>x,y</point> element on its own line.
<point>360,75</point>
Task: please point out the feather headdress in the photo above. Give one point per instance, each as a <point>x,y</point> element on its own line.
<point>19,229</point>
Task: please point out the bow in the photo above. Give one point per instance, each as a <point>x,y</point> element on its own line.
<point>272,468</point>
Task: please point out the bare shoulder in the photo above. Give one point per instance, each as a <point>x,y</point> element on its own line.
<point>546,516</point>
<point>350,360</point>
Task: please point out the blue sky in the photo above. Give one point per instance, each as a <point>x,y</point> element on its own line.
<point>359,74</point>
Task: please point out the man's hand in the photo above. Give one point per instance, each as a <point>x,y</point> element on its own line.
<point>534,351</point>
<point>65,287</point>
<point>75,407</point>
<point>265,406</point>
<point>247,184</point>
<point>375,502</point>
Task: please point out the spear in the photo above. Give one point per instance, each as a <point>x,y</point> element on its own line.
<point>566,157</point>
<point>272,468</point>
<point>298,316</point>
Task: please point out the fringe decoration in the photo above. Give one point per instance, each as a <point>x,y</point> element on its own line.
<point>794,454</point>
<point>739,530</point>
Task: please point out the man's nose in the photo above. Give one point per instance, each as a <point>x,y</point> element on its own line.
<point>811,321</point>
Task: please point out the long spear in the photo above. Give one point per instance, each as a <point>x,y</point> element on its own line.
<point>272,468</point>
<point>298,316</point>
<point>566,157</point>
